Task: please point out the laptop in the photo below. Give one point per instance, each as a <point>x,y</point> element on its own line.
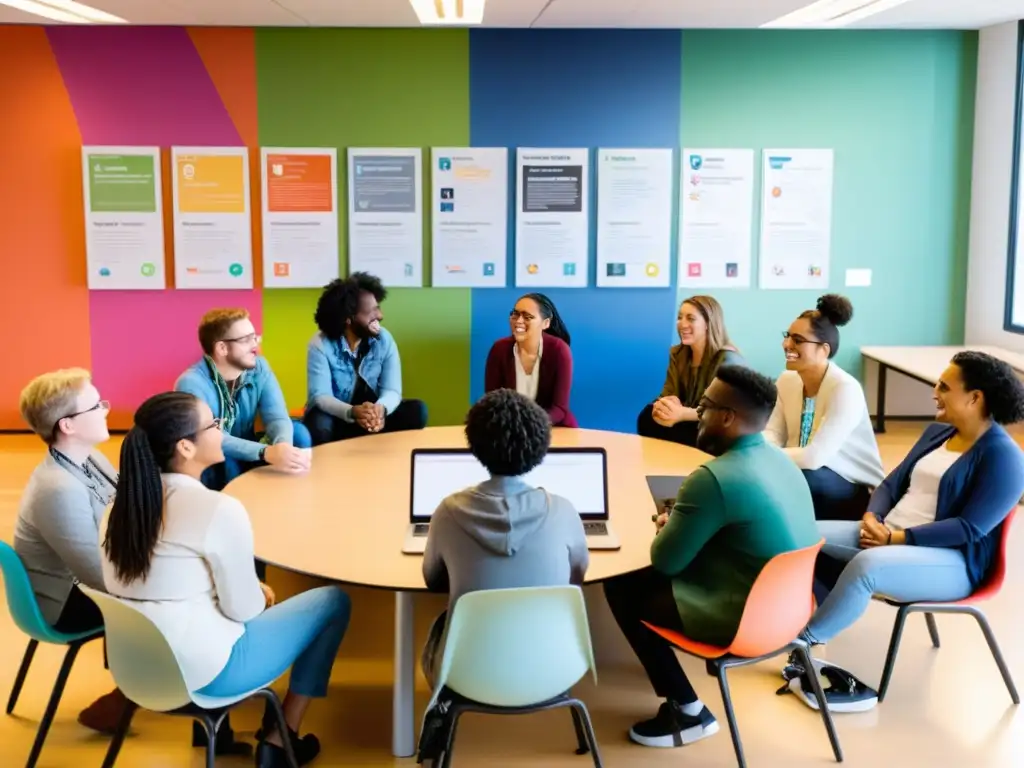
<point>577,474</point>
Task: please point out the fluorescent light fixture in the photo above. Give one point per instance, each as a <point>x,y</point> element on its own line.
<point>834,13</point>
<point>64,10</point>
<point>450,12</point>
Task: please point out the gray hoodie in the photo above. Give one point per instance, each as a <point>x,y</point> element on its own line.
<point>501,534</point>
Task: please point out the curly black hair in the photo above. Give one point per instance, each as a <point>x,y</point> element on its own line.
<point>340,301</point>
<point>508,433</point>
<point>996,380</point>
<point>756,392</point>
<point>833,311</point>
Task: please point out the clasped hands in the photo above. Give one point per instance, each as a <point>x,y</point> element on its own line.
<point>874,533</point>
<point>369,416</point>
<point>669,411</point>
<point>285,457</point>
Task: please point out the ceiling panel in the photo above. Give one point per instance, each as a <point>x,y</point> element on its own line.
<point>947,14</point>
<point>354,13</point>
<point>720,14</point>
<point>590,13</point>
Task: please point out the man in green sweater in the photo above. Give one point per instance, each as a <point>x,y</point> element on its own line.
<point>732,515</point>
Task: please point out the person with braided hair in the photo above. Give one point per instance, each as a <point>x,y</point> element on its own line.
<point>183,554</point>
<point>535,360</point>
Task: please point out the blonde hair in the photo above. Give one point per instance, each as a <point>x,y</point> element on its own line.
<point>50,397</point>
<point>714,317</point>
<point>216,323</point>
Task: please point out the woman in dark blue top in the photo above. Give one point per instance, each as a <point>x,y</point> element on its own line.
<point>932,527</point>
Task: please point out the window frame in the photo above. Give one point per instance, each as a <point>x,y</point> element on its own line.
<point>1015,229</point>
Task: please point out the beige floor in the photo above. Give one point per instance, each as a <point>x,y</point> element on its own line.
<point>945,708</point>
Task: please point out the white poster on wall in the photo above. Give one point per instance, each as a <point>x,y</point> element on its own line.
<point>796,218</point>
<point>552,217</point>
<point>634,218</point>
<point>469,220</point>
<point>716,207</point>
<point>385,215</point>
<point>300,216</point>
<point>124,221</point>
<point>212,221</point>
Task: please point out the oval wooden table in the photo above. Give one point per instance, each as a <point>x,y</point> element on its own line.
<point>346,521</point>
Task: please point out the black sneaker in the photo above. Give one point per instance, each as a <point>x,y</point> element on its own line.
<point>674,728</point>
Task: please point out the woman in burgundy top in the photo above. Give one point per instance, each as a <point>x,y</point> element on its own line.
<point>535,360</point>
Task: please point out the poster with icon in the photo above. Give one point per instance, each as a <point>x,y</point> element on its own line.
<point>385,215</point>
<point>552,217</point>
<point>212,220</point>
<point>124,220</point>
<point>300,216</point>
<point>469,221</point>
<point>796,218</point>
<point>634,218</point>
<point>716,213</point>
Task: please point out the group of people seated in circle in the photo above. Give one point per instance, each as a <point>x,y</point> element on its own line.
<point>790,462</point>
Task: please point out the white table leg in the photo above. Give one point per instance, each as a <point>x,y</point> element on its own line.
<point>403,732</point>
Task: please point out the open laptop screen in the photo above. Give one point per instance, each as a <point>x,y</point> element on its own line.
<point>577,475</point>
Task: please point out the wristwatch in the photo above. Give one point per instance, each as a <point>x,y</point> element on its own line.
<point>263,452</point>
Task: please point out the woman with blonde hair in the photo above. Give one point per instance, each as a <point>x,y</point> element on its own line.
<point>703,347</point>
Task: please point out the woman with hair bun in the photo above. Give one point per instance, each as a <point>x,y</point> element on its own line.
<point>821,417</point>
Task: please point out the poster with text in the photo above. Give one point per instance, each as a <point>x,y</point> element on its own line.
<point>716,212</point>
<point>124,222</point>
<point>300,217</point>
<point>469,195</point>
<point>385,215</point>
<point>796,218</point>
<point>634,218</point>
<point>552,217</point>
<point>212,220</point>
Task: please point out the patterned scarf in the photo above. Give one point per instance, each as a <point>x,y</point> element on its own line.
<point>228,407</point>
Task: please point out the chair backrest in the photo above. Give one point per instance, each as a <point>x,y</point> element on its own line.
<point>997,571</point>
<point>141,661</point>
<point>517,647</point>
<point>21,600</point>
<point>779,604</point>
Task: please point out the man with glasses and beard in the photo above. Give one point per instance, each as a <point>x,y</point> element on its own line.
<point>238,384</point>
<point>731,516</point>
<point>353,370</point>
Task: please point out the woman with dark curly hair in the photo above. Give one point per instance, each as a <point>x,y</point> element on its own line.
<point>502,533</point>
<point>821,417</point>
<point>932,528</point>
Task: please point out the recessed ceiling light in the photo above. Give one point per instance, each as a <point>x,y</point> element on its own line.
<point>450,12</point>
<point>833,13</point>
<point>64,10</point>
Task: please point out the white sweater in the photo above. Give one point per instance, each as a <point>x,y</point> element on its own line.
<point>202,583</point>
<point>842,436</point>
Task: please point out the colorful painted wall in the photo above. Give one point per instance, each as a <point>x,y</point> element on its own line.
<point>896,106</point>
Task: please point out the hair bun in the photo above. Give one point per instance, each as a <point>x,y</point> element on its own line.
<point>836,309</point>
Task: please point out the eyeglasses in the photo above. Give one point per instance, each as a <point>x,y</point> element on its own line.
<point>215,424</point>
<point>515,314</point>
<point>707,404</point>
<point>249,338</point>
<point>102,405</point>
<point>797,339</point>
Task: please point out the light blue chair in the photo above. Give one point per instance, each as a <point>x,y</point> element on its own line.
<point>21,602</point>
<point>147,671</point>
<point>513,652</point>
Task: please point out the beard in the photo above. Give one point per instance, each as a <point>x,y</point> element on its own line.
<point>242,362</point>
<point>363,331</point>
<point>710,443</point>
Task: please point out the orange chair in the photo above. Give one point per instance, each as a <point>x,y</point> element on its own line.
<point>988,589</point>
<point>777,609</point>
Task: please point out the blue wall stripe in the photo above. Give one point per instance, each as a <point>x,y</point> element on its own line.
<point>581,88</point>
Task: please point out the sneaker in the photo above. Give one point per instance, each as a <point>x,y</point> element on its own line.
<point>104,714</point>
<point>674,728</point>
<point>843,691</point>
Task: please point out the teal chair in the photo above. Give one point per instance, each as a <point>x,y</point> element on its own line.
<point>21,602</point>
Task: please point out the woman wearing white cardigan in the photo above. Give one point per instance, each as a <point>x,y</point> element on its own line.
<point>821,417</point>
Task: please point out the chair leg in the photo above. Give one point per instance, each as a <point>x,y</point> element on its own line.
<point>933,629</point>
<point>19,681</point>
<point>51,706</point>
<point>730,715</point>
<point>211,739</point>
<point>119,735</point>
<point>582,746</point>
<point>894,647</point>
<point>997,654</point>
<point>580,709</point>
<point>819,694</point>
<point>269,696</point>
<point>449,747</point>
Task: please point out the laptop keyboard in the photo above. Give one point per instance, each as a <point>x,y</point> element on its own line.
<point>421,529</point>
<point>595,529</point>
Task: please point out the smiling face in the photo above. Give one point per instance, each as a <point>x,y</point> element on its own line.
<point>954,404</point>
<point>526,322</point>
<point>204,448</point>
<point>366,321</point>
<point>240,345</point>
<point>691,325</point>
<point>803,349</point>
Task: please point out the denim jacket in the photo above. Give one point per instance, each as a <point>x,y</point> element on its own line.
<point>331,372</point>
<point>258,393</point>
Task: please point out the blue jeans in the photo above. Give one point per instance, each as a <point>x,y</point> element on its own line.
<point>219,475</point>
<point>303,633</point>
<point>901,572</point>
